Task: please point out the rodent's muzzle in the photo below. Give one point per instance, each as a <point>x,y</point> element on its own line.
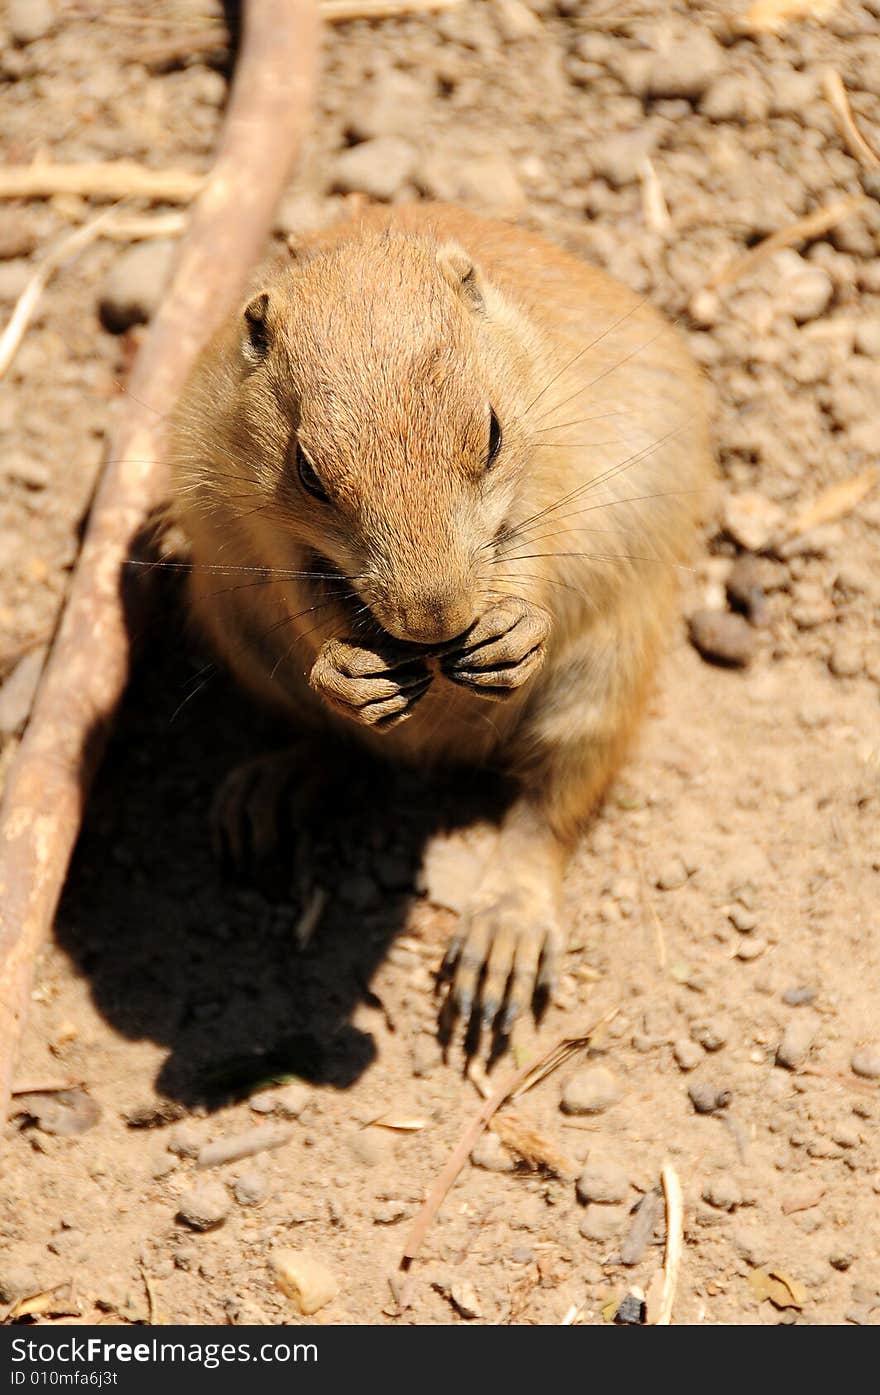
<point>432,616</point>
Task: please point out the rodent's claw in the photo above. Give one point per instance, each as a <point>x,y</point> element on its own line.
<point>378,688</point>
<point>502,651</point>
<point>506,953</point>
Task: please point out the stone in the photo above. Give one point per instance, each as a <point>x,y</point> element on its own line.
<point>688,1054</point>
<point>303,1276</point>
<point>751,520</point>
<point>707,1097</point>
<point>590,1090</point>
<point>683,63</point>
<point>846,659</point>
<point>722,638</point>
<point>803,290</point>
<point>602,1223</point>
<point>672,875</point>
<point>797,1041</point>
<point>723,1192</point>
<point>865,1061</point>
<point>602,1181</point>
<point>490,1154</point>
<point>490,182</point>
<point>379,167</point>
<point>251,1188</point>
<point>619,158</point>
<point>133,290</point>
<point>204,1206</point>
<point>390,104</point>
<point>29,20</point>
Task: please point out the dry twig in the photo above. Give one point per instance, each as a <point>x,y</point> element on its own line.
<point>835,95</point>
<point>52,773</point>
<point>516,1084</point>
<point>101,179</point>
<point>805,229</point>
<point>674,1237</point>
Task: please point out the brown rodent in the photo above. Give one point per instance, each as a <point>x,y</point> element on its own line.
<point>437,478</point>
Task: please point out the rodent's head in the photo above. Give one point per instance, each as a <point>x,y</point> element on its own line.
<point>380,391</point>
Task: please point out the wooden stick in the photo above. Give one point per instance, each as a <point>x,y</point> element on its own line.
<point>50,778</point>
<point>522,1079</point>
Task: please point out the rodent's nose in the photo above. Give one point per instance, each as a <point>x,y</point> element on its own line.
<point>432,618</point>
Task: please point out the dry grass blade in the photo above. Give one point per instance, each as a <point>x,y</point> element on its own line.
<point>338,11</point>
<point>834,502</point>
<point>522,1079</point>
<point>534,1148</point>
<point>835,94</point>
<point>805,229</point>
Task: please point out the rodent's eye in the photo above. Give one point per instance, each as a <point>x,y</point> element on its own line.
<point>494,439</point>
<point>308,475</point>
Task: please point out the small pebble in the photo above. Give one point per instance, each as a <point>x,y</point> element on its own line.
<point>846,659</point>
<point>631,1310</point>
<point>29,20</point>
<point>185,1140</point>
<point>799,997</point>
<point>590,1091</point>
<point>464,1299</point>
<point>723,638</point>
<point>672,875</point>
<point>602,1223</point>
<point>866,1062</point>
<point>251,1188</point>
<point>378,167</point>
<point>743,919</point>
<point>390,1212</point>
<point>711,1032</point>
<point>490,1154</point>
<point>708,1098</point>
<point>723,1192</point>
<point>797,1041</point>
<point>132,292</point>
<point>305,1278</point>
<point>750,949</point>
<point>751,520</point>
<point>205,1206</point>
<point>603,1182</point>
<point>688,1054</point>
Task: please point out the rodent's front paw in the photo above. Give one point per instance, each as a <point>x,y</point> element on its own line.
<point>502,651</point>
<point>379,687</point>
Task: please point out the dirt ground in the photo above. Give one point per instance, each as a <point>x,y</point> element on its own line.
<point>725,900</point>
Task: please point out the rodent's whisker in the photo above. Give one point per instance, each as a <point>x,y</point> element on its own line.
<point>580,421</point>
<point>606,372</point>
<point>580,353</point>
<point>600,557</point>
<point>594,483</point>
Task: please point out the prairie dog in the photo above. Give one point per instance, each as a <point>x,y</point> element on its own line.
<point>437,476</point>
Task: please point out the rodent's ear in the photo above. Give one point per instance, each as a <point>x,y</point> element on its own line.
<point>462,275</point>
<point>256,319</point>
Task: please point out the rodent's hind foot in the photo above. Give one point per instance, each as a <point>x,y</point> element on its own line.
<point>255,808</point>
<point>503,960</point>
